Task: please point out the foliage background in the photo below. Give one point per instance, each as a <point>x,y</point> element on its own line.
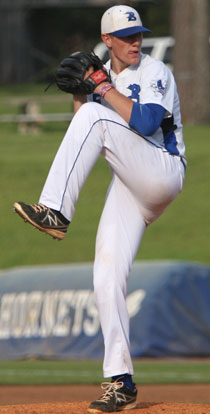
<point>56,32</point>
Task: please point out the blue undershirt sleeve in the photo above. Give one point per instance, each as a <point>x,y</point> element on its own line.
<point>146,118</point>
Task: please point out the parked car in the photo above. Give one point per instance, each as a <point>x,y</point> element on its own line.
<point>158,47</point>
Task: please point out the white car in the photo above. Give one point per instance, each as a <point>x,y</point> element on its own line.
<point>158,47</point>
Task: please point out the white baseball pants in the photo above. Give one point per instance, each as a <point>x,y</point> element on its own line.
<point>145,181</point>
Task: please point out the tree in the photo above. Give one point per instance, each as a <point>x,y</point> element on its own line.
<point>190,28</point>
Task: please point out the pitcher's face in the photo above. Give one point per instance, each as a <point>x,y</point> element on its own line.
<point>124,51</point>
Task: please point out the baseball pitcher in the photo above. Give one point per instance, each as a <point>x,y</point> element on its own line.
<point>128,112</point>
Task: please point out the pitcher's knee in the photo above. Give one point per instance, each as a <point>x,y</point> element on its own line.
<point>91,108</point>
<point>107,291</point>
<point>107,281</point>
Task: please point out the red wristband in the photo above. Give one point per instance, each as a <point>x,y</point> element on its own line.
<point>105,89</point>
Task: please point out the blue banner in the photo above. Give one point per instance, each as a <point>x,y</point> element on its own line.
<point>50,312</point>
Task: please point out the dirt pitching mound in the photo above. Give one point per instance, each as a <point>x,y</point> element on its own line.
<point>81,408</point>
<point>75,399</point>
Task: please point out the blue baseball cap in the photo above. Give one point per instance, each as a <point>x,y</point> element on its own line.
<point>122,21</point>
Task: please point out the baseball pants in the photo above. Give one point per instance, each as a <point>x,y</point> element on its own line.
<point>145,180</point>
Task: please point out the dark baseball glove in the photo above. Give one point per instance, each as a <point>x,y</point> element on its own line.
<point>70,74</point>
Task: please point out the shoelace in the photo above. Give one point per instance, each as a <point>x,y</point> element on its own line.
<point>110,389</point>
<point>38,208</point>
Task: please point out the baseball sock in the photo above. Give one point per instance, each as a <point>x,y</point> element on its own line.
<point>126,379</point>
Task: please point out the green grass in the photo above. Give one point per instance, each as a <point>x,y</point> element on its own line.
<point>24,164</point>
<point>90,372</point>
<point>53,100</point>
<point>182,233</point>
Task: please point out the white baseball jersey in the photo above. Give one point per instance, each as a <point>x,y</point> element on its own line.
<point>152,82</point>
